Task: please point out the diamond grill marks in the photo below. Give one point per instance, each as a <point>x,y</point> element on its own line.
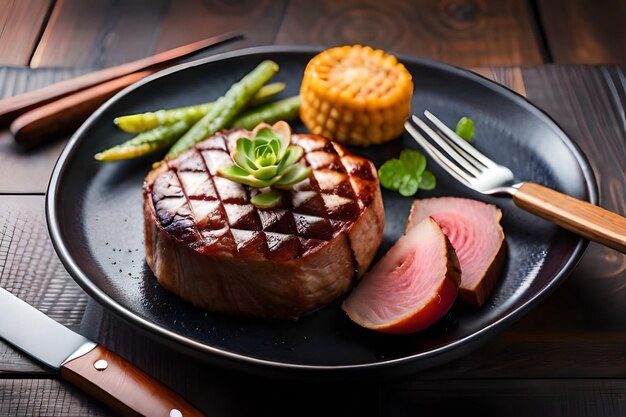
<point>243,216</point>
<point>314,227</point>
<point>214,214</point>
<point>197,185</point>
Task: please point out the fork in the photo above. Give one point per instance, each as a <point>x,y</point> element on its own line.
<point>481,174</point>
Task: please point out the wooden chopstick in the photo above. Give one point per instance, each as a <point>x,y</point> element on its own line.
<point>12,107</point>
<point>63,116</point>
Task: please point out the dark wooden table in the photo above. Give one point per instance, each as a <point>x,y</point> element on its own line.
<point>566,357</point>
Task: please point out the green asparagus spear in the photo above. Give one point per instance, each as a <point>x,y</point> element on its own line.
<point>226,107</point>
<point>163,136</point>
<point>135,123</point>
<point>147,142</point>
<point>286,109</point>
<point>265,94</point>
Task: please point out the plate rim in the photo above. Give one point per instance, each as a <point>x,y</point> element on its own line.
<point>169,336</point>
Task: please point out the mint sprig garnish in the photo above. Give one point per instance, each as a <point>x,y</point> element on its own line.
<point>407,174</point>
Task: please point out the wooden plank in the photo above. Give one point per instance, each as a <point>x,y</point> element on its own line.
<point>102,33</point>
<point>30,168</point>
<point>46,397</point>
<point>21,23</point>
<point>23,169</point>
<point>585,32</point>
<point>258,20</point>
<point>512,398</point>
<point>99,33</point>
<point>485,33</point>
<point>31,270</point>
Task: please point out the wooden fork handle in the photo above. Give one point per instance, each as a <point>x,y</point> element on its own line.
<point>123,387</point>
<point>585,219</point>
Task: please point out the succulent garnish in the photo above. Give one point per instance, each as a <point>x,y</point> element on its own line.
<point>267,160</point>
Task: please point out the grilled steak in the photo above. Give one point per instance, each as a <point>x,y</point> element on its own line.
<point>208,244</point>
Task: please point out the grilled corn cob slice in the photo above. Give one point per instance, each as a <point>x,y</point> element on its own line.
<point>356,95</point>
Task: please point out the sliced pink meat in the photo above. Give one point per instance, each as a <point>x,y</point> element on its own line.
<point>474,230</point>
<point>411,287</point>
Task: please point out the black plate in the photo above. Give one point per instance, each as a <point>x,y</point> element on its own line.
<point>95,219</point>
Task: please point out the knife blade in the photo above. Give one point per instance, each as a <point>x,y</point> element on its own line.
<point>86,364</point>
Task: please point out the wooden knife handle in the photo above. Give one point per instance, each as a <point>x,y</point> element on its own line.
<point>123,387</point>
<point>63,116</point>
<point>578,216</point>
<point>12,107</point>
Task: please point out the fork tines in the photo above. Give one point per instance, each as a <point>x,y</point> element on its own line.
<point>466,163</point>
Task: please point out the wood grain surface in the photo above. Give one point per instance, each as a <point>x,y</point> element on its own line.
<point>585,32</point>
<point>512,398</point>
<point>466,33</point>
<point>470,33</point>
<point>259,21</point>
<point>99,33</point>
<point>102,33</point>
<point>21,22</point>
<point>29,169</point>
<point>47,397</point>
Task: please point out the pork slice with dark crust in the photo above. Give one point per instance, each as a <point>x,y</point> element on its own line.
<point>208,244</point>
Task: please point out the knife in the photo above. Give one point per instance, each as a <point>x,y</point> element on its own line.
<point>12,107</point>
<point>88,365</point>
<point>63,116</point>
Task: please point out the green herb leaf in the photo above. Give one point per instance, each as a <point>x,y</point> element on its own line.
<point>465,128</point>
<point>428,181</point>
<point>390,174</point>
<point>407,174</point>
<point>413,161</point>
<point>409,186</point>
